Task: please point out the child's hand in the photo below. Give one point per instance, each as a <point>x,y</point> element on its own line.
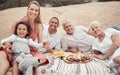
<point>47,43</point>
<point>8,45</point>
<point>9,50</point>
<point>48,49</point>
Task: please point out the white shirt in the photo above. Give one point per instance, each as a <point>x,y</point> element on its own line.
<point>105,45</point>
<point>54,39</point>
<point>80,39</point>
<point>21,44</point>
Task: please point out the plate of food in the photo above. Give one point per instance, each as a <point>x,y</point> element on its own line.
<point>77,58</point>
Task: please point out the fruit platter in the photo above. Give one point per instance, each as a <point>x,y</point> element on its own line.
<point>77,58</point>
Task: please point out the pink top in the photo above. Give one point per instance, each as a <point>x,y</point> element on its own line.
<point>33,33</point>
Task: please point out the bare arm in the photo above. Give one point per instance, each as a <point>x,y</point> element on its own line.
<point>13,25</point>
<point>23,19</point>
<point>115,45</point>
<point>40,31</point>
<point>13,28</point>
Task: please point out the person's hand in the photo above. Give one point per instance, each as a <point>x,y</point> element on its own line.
<point>99,56</point>
<point>47,43</point>
<point>50,51</point>
<point>9,50</point>
<point>73,50</point>
<point>8,45</point>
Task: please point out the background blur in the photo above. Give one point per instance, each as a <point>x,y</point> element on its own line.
<point>79,12</point>
<point>4,4</point>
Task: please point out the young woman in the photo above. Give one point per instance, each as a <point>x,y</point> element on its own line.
<point>33,19</point>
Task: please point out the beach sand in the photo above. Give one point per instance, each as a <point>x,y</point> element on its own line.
<point>108,13</point>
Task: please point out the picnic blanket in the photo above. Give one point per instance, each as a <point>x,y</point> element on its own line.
<point>60,67</point>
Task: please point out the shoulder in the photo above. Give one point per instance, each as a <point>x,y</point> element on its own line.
<point>57,35</point>
<point>45,26</point>
<point>80,27</point>
<point>65,36</point>
<point>13,35</point>
<point>112,31</point>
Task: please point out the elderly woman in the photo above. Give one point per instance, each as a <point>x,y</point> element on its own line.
<point>108,42</point>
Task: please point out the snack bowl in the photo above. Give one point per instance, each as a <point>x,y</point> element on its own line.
<point>77,58</point>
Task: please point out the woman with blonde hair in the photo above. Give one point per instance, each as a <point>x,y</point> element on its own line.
<point>33,19</point>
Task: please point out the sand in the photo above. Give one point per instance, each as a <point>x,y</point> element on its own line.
<point>108,13</point>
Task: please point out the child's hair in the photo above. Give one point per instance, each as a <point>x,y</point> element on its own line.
<point>23,23</point>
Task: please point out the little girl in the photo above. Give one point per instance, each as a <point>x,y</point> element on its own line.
<point>21,42</point>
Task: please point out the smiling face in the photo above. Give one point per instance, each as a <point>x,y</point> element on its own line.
<point>68,28</point>
<point>96,29</point>
<point>22,31</point>
<point>33,11</point>
<point>53,24</point>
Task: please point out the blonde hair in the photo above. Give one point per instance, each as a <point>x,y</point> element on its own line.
<point>38,19</point>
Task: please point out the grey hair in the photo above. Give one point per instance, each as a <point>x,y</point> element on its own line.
<point>65,22</point>
<point>95,23</point>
